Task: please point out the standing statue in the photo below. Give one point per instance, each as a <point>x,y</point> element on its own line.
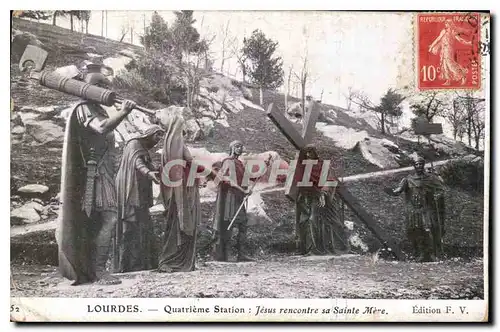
<point>230,196</point>
<point>318,213</point>
<point>134,242</point>
<point>424,197</point>
<point>88,193</point>
<point>182,202</point>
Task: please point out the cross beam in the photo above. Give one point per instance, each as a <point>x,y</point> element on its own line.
<point>299,141</point>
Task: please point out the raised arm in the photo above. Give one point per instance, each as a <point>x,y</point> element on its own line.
<point>105,125</point>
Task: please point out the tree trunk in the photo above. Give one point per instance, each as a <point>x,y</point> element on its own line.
<point>71,21</point>
<point>382,122</point>
<point>469,131</point>
<point>54,18</point>
<point>261,96</point>
<point>87,27</point>
<point>222,62</point>
<point>478,138</point>
<point>102,23</point>
<point>304,108</point>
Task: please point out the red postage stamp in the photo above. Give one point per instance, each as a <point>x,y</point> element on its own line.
<point>448,55</point>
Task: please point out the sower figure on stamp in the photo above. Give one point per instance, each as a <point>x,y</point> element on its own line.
<point>134,248</point>
<point>319,222</point>
<point>424,198</point>
<point>88,189</point>
<point>230,196</point>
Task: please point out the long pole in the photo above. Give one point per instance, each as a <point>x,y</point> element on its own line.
<point>102,23</point>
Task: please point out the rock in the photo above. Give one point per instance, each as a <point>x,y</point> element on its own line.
<point>247,93</point>
<point>20,40</point>
<point>45,131</point>
<point>295,110</point>
<point>33,189</point>
<point>25,214</point>
<point>35,206</point>
<point>18,130</point>
<point>117,64</point>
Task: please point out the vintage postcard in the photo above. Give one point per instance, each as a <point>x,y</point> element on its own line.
<point>249,166</point>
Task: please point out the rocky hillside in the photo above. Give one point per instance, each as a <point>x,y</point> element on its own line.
<point>350,139</point>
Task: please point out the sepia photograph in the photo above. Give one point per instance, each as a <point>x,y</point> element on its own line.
<point>251,166</point>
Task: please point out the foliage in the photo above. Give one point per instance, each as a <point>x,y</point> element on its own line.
<point>154,77</point>
<point>389,106</point>
<point>264,69</point>
<point>464,174</point>
<point>35,14</point>
<point>176,56</point>
<point>429,105</point>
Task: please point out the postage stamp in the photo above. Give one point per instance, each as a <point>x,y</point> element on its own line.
<point>449,51</point>
<point>218,166</point>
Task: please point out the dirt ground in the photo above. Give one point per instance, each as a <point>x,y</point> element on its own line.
<point>347,276</point>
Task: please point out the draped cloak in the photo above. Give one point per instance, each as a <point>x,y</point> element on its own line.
<point>135,197</point>
<point>321,229</point>
<point>182,203</point>
<point>74,233</point>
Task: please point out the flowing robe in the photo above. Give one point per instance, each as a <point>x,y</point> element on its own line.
<point>182,217</point>
<point>134,242</point>
<point>321,230</point>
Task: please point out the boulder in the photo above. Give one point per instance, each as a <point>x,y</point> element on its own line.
<point>17,130</point>
<point>45,131</point>
<point>33,189</point>
<point>25,214</point>
<point>20,40</point>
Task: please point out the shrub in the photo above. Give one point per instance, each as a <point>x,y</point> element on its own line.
<point>465,174</point>
<point>153,78</point>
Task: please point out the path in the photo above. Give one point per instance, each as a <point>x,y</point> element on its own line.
<point>347,276</point>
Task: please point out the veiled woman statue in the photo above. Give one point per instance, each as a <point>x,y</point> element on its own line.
<point>182,202</point>
<point>319,220</point>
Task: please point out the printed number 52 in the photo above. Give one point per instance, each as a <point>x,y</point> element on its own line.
<point>14,308</point>
<point>429,73</point>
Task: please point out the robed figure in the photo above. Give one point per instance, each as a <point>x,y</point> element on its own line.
<point>135,248</point>
<point>319,217</point>
<point>424,211</point>
<point>88,194</point>
<point>231,192</point>
<point>181,199</point>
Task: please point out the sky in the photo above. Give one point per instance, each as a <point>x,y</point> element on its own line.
<point>367,51</point>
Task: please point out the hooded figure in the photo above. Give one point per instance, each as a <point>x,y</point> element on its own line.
<point>181,200</point>
<point>424,210</point>
<point>134,248</point>
<point>88,193</point>
<point>319,219</point>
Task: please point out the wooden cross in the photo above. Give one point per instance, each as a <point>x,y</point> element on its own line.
<point>299,141</point>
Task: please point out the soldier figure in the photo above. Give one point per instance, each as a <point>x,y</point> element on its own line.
<point>424,198</point>
<point>230,196</point>
<point>88,192</point>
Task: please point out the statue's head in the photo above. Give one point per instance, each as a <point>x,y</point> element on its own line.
<point>419,164</point>
<point>152,135</point>
<point>309,152</point>
<point>97,79</point>
<point>236,148</point>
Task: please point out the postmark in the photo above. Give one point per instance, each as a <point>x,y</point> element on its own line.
<point>448,51</point>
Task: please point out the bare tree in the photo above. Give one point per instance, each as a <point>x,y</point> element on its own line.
<point>124,31</point>
<point>455,116</point>
<point>241,58</point>
<point>473,116</point>
<point>349,97</point>
<point>287,87</point>
<point>227,47</point>
<point>302,77</point>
